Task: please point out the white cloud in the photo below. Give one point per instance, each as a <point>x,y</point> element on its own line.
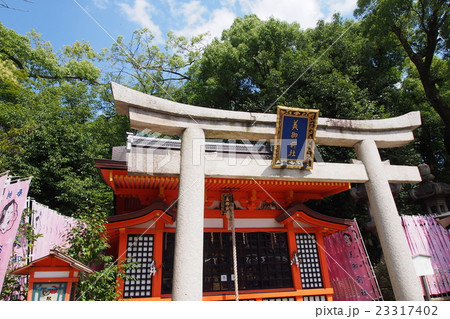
<point>199,19</point>
<point>101,4</point>
<point>220,19</point>
<point>227,3</point>
<point>139,12</point>
<point>345,7</point>
<point>192,17</point>
<point>305,12</point>
<point>193,12</point>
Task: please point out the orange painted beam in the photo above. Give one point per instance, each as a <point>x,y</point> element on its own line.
<point>292,245</point>
<point>323,261</point>
<point>244,295</point>
<point>265,295</point>
<point>121,259</point>
<point>158,258</point>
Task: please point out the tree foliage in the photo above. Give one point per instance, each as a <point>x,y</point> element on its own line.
<point>259,64</point>
<point>148,68</point>
<point>421,29</point>
<point>88,245</point>
<point>55,118</point>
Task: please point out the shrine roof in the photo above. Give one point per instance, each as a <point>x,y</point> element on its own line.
<point>55,258</point>
<point>116,176</point>
<point>158,205</point>
<point>300,207</point>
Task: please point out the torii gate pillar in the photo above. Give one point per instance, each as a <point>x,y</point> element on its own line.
<point>403,277</point>
<point>188,254</point>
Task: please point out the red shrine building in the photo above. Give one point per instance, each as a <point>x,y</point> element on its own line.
<point>208,220</point>
<point>269,238</point>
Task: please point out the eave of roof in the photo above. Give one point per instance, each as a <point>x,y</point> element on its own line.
<point>158,205</point>
<point>298,206</point>
<point>54,254</point>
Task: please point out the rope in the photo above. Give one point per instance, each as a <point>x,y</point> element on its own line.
<point>233,240</point>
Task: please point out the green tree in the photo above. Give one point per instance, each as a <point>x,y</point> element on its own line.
<point>151,69</point>
<point>429,141</point>
<point>421,28</point>
<point>55,118</point>
<point>246,69</point>
<point>257,65</point>
<point>88,244</point>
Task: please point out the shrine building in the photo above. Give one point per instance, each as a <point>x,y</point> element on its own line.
<point>208,220</point>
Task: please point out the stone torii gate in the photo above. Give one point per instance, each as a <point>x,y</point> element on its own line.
<point>194,124</point>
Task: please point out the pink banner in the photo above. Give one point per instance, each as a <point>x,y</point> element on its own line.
<point>52,226</point>
<point>349,267</point>
<point>11,208</point>
<point>427,237</point>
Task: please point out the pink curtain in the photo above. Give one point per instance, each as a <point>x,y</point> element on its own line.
<point>351,274</point>
<point>427,237</point>
<point>52,226</point>
<point>11,207</point>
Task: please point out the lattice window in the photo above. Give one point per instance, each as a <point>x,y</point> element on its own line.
<point>315,298</point>
<point>280,299</point>
<point>309,261</point>
<point>139,250</point>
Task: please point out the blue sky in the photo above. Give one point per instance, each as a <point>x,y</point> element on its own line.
<point>62,22</point>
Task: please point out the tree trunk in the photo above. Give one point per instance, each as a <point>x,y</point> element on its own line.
<point>428,82</point>
<point>437,102</point>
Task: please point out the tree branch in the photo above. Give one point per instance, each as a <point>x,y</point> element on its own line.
<point>415,58</point>
<point>181,76</point>
<point>14,59</point>
<point>21,66</point>
<point>5,5</point>
<point>65,77</point>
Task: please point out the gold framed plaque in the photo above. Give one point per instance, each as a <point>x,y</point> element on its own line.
<point>295,138</point>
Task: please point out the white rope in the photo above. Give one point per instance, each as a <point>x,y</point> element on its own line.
<point>233,240</point>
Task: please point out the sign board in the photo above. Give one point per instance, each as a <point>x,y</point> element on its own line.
<point>422,265</point>
<point>294,138</point>
<point>227,204</point>
<point>51,291</point>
